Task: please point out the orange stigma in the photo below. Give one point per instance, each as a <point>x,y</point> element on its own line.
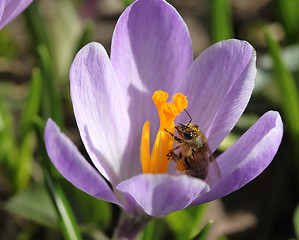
<point>157,161</point>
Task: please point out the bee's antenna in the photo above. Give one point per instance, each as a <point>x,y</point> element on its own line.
<point>188,116</point>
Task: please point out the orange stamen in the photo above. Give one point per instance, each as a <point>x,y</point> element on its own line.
<point>144,154</point>
<point>157,161</point>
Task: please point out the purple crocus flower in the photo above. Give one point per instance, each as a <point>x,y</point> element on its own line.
<point>112,100</point>
<point>10,9</point>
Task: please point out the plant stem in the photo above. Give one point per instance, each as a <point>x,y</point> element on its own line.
<point>129,226</point>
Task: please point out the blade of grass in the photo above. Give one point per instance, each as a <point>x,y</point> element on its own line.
<point>8,46</point>
<point>24,166</point>
<point>93,213</point>
<point>192,218</point>
<point>289,93</point>
<point>222,27</point>
<point>27,138</point>
<point>68,222</point>
<point>149,231</point>
<point>203,233</point>
<point>66,29</point>
<point>289,12</point>
<point>8,144</point>
<point>69,225</point>
<point>198,213</point>
<point>36,25</point>
<point>32,104</point>
<point>174,221</point>
<point>51,101</point>
<point>31,203</point>
<point>127,2</point>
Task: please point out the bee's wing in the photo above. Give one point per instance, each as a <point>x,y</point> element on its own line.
<point>214,165</point>
<point>214,173</point>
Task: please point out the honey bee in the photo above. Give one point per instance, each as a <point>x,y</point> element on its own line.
<point>194,151</point>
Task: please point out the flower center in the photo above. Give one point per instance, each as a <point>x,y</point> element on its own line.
<point>157,161</point>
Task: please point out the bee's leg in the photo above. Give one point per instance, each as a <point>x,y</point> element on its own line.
<point>187,164</point>
<point>175,137</point>
<point>175,157</point>
<point>172,154</point>
<point>177,147</point>
<point>172,151</point>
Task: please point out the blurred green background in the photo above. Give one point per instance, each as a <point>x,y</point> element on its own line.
<point>36,51</point>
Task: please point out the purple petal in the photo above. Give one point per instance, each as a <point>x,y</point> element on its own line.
<point>2,6</point>
<point>248,157</point>
<point>159,194</point>
<point>100,109</point>
<point>218,87</point>
<point>151,46</point>
<point>11,10</point>
<point>72,165</point>
<point>151,49</point>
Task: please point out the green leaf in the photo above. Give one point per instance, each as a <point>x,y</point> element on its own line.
<point>68,222</point>
<point>8,47</point>
<point>155,229</point>
<point>198,214</point>
<point>8,145</point>
<point>203,233</point>
<point>289,11</point>
<point>148,233</point>
<point>127,2</point>
<point>40,125</point>
<point>230,139</point>
<point>35,204</point>
<point>97,214</point>
<point>51,101</point>
<point>66,29</point>
<point>222,238</point>
<point>26,149</point>
<point>32,104</point>
<point>36,24</point>
<point>289,96</point>
<point>175,220</point>
<point>192,218</point>
<point>24,166</point>
<point>286,84</point>
<point>222,27</point>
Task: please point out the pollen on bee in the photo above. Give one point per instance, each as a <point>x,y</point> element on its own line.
<point>181,166</point>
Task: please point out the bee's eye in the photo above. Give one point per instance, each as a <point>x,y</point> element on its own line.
<point>188,135</point>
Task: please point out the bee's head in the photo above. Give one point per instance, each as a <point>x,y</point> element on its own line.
<point>187,131</point>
